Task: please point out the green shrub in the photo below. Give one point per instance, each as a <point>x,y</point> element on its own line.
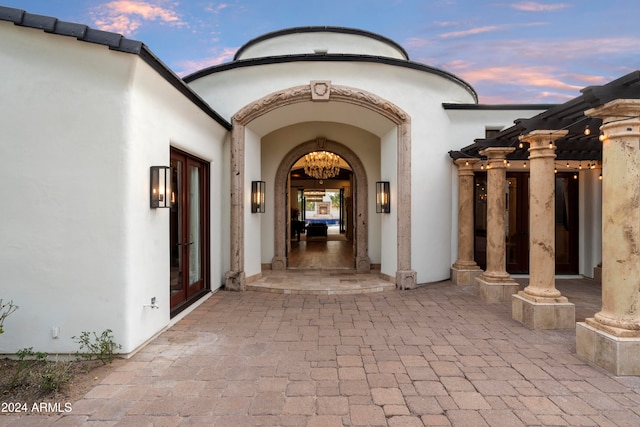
<point>100,347</point>
<point>52,377</point>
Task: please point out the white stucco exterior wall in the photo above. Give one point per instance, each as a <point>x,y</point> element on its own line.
<point>590,214</point>
<point>80,249</point>
<point>253,221</point>
<point>418,93</point>
<point>277,144</point>
<point>387,230</point>
<point>331,42</point>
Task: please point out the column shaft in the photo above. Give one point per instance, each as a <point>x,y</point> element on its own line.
<point>496,205</point>
<point>542,257</point>
<point>620,313</point>
<point>465,215</point>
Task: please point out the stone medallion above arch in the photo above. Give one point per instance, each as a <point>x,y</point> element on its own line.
<point>321,91</point>
<point>360,214</point>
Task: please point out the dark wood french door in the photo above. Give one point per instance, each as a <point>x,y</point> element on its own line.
<point>517,222</point>
<point>189,226</point>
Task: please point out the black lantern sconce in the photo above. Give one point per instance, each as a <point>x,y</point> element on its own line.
<point>160,187</point>
<point>383,199</point>
<point>257,196</point>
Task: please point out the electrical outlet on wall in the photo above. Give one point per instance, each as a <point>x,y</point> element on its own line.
<point>55,332</point>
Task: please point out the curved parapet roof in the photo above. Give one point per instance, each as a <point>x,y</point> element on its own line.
<point>320,40</point>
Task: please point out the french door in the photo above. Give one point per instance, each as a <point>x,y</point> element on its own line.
<point>517,222</point>
<point>189,226</point>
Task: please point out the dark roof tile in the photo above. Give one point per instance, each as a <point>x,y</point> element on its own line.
<point>11,14</point>
<point>71,29</point>
<point>42,22</point>
<point>103,37</point>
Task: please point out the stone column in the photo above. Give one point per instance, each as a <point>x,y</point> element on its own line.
<point>611,339</point>
<point>495,284</point>
<point>406,277</point>
<point>465,270</point>
<point>540,305</point>
<point>234,279</point>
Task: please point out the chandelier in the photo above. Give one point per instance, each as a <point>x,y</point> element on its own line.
<point>321,164</point>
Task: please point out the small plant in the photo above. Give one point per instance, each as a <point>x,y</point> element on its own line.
<point>26,358</point>
<point>5,310</point>
<point>52,377</point>
<point>100,347</point>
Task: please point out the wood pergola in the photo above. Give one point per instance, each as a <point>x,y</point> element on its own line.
<point>576,145</point>
<point>611,338</point>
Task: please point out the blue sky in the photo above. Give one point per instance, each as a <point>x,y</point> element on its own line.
<point>510,51</point>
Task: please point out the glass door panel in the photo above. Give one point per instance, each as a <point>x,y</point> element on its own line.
<point>188,230</point>
<point>566,223</point>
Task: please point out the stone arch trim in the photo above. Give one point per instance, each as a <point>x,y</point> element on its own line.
<point>405,276</point>
<point>337,93</point>
<point>360,191</point>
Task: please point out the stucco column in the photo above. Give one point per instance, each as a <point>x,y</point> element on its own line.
<point>495,284</point>
<point>540,305</point>
<point>611,339</point>
<point>465,270</point>
<point>234,279</point>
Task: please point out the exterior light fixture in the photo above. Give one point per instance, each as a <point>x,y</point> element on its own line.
<point>383,200</point>
<point>602,136</point>
<point>160,194</point>
<point>257,196</point>
<point>587,130</point>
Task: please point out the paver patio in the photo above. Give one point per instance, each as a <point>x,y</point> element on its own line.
<point>434,356</point>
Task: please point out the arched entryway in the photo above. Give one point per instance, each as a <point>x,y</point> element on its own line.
<point>321,92</point>
<point>363,263</point>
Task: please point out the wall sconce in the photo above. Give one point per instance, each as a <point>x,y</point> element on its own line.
<point>383,200</point>
<point>160,187</point>
<point>257,196</point>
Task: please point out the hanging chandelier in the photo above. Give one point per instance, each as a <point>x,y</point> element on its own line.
<point>321,164</point>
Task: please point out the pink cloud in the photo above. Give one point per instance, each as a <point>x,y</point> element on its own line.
<point>126,17</point>
<point>542,77</point>
<point>488,29</point>
<point>473,31</point>
<point>532,6</point>
<point>216,8</point>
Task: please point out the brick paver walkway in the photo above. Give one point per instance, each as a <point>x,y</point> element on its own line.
<point>434,356</point>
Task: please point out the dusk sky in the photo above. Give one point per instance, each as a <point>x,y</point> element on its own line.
<point>510,51</point>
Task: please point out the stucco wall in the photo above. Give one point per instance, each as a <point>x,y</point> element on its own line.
<point>308,43</point>
<point>278,143</point>
<point>80,249</point>
<point>418,93</point>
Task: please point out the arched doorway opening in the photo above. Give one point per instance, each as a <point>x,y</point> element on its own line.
<point>320,97</point>
<point>357,192</point>
<point>321,220</point>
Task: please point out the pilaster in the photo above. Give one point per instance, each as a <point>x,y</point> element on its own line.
<point>540,305</point>
<point>611,339</point>
<point>495,284</point>
<point>465,270</point>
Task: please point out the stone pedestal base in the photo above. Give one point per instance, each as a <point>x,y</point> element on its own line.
<point>597,274</point>
<point>235,281</point>
<point>620,356</point>
<point>279,263</point>
<point>462,277</point>
<point>406,279</point>
<point>543,315</point>
<point>496,292</point>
